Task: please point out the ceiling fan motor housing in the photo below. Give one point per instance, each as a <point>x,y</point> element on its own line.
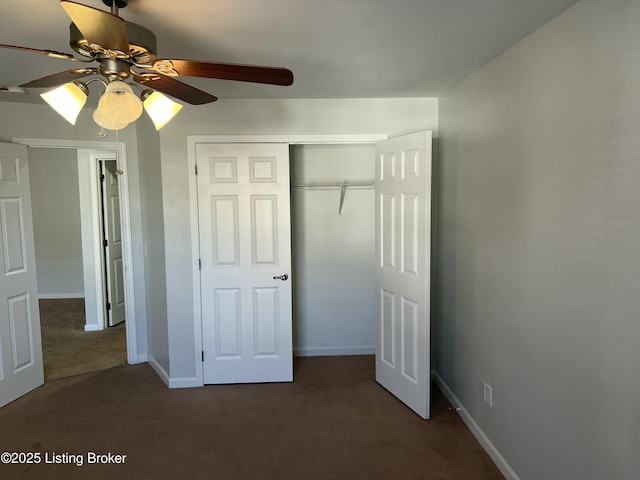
<point>142,43</point>
<point>114,69</point>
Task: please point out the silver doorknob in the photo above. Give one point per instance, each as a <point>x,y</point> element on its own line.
<point>284,277</point>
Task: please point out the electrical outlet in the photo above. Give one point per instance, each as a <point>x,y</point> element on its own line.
<point>488,393</point>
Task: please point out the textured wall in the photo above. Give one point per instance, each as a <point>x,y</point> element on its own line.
<point>56,221</point>
<point>538,264</point>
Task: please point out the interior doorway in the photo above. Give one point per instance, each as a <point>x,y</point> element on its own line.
<point>69,347</point>
<point>69,350</point>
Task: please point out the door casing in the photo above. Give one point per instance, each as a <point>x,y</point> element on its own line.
<point>92,261</point>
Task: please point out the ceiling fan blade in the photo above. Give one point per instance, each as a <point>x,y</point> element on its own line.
<point>60,78</point>
<point>176,89</point>
<point>98,27</point>
<point>48,53</point>
<point>225,71</point>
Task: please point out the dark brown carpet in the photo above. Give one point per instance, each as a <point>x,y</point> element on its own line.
<point>68,350</point>
<point>332,422</point>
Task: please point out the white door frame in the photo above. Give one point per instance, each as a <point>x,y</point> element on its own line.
<point>89,196</point>
<point>92,261</point>
<point>192,141</point>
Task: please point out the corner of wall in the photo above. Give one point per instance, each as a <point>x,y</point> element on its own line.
<point>162,373</point>
<point>484,441</point>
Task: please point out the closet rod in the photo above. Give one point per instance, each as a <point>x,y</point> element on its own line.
<point>336,186</point>
<point>333,186</point>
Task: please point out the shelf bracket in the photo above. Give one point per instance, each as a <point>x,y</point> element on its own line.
<point>343,190</point>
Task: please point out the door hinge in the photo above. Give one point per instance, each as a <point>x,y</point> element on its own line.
<point>196,167</point>
<point>102,177</point>
<point>203,355</point>
<point>105,243</point>
<point>199,264</point>
<point>108,306</point>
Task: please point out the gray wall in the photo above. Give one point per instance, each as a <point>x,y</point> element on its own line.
<point>153,243</point>
<point>538,261</point>
<point>237,117</point>
<point>53,174</point>
<point>333,254</point>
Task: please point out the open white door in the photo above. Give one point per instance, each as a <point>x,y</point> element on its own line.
<point>113,243</point>
<point>21,367</point>
<point>245,254</point>
<point>403,245</point>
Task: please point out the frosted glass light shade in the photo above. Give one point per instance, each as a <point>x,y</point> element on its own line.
<point>106,121</point>
<point>160,108</point>
<point>67,100</point>
<point>118,107</point>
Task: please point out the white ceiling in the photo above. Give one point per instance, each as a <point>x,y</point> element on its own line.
<point>335,48</point>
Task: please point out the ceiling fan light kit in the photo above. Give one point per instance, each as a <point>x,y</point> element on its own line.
<point>160,108</point>
<point>124,50</point>
<point>67,100</point>
<point>118,107</point>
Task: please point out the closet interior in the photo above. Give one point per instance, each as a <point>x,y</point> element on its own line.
<point>332,221</point>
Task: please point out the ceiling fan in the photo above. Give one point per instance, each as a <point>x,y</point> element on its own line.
<point>125,50</point>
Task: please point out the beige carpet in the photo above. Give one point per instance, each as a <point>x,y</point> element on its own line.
<point>68,350</point>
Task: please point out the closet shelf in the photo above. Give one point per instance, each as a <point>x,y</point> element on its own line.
<point>342,186</point>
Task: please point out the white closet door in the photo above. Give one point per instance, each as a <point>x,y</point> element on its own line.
<point>245,254</point>
<point>403,245</point>
<point>21,367</point>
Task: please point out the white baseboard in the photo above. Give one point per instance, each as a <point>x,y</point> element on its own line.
<point>333,351</point>
<point>162,373</point>
<point>141,358</point>
<point>57,296</point>
<point>184,382</point>
<point>484,441</point>
<point>92,328</point>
